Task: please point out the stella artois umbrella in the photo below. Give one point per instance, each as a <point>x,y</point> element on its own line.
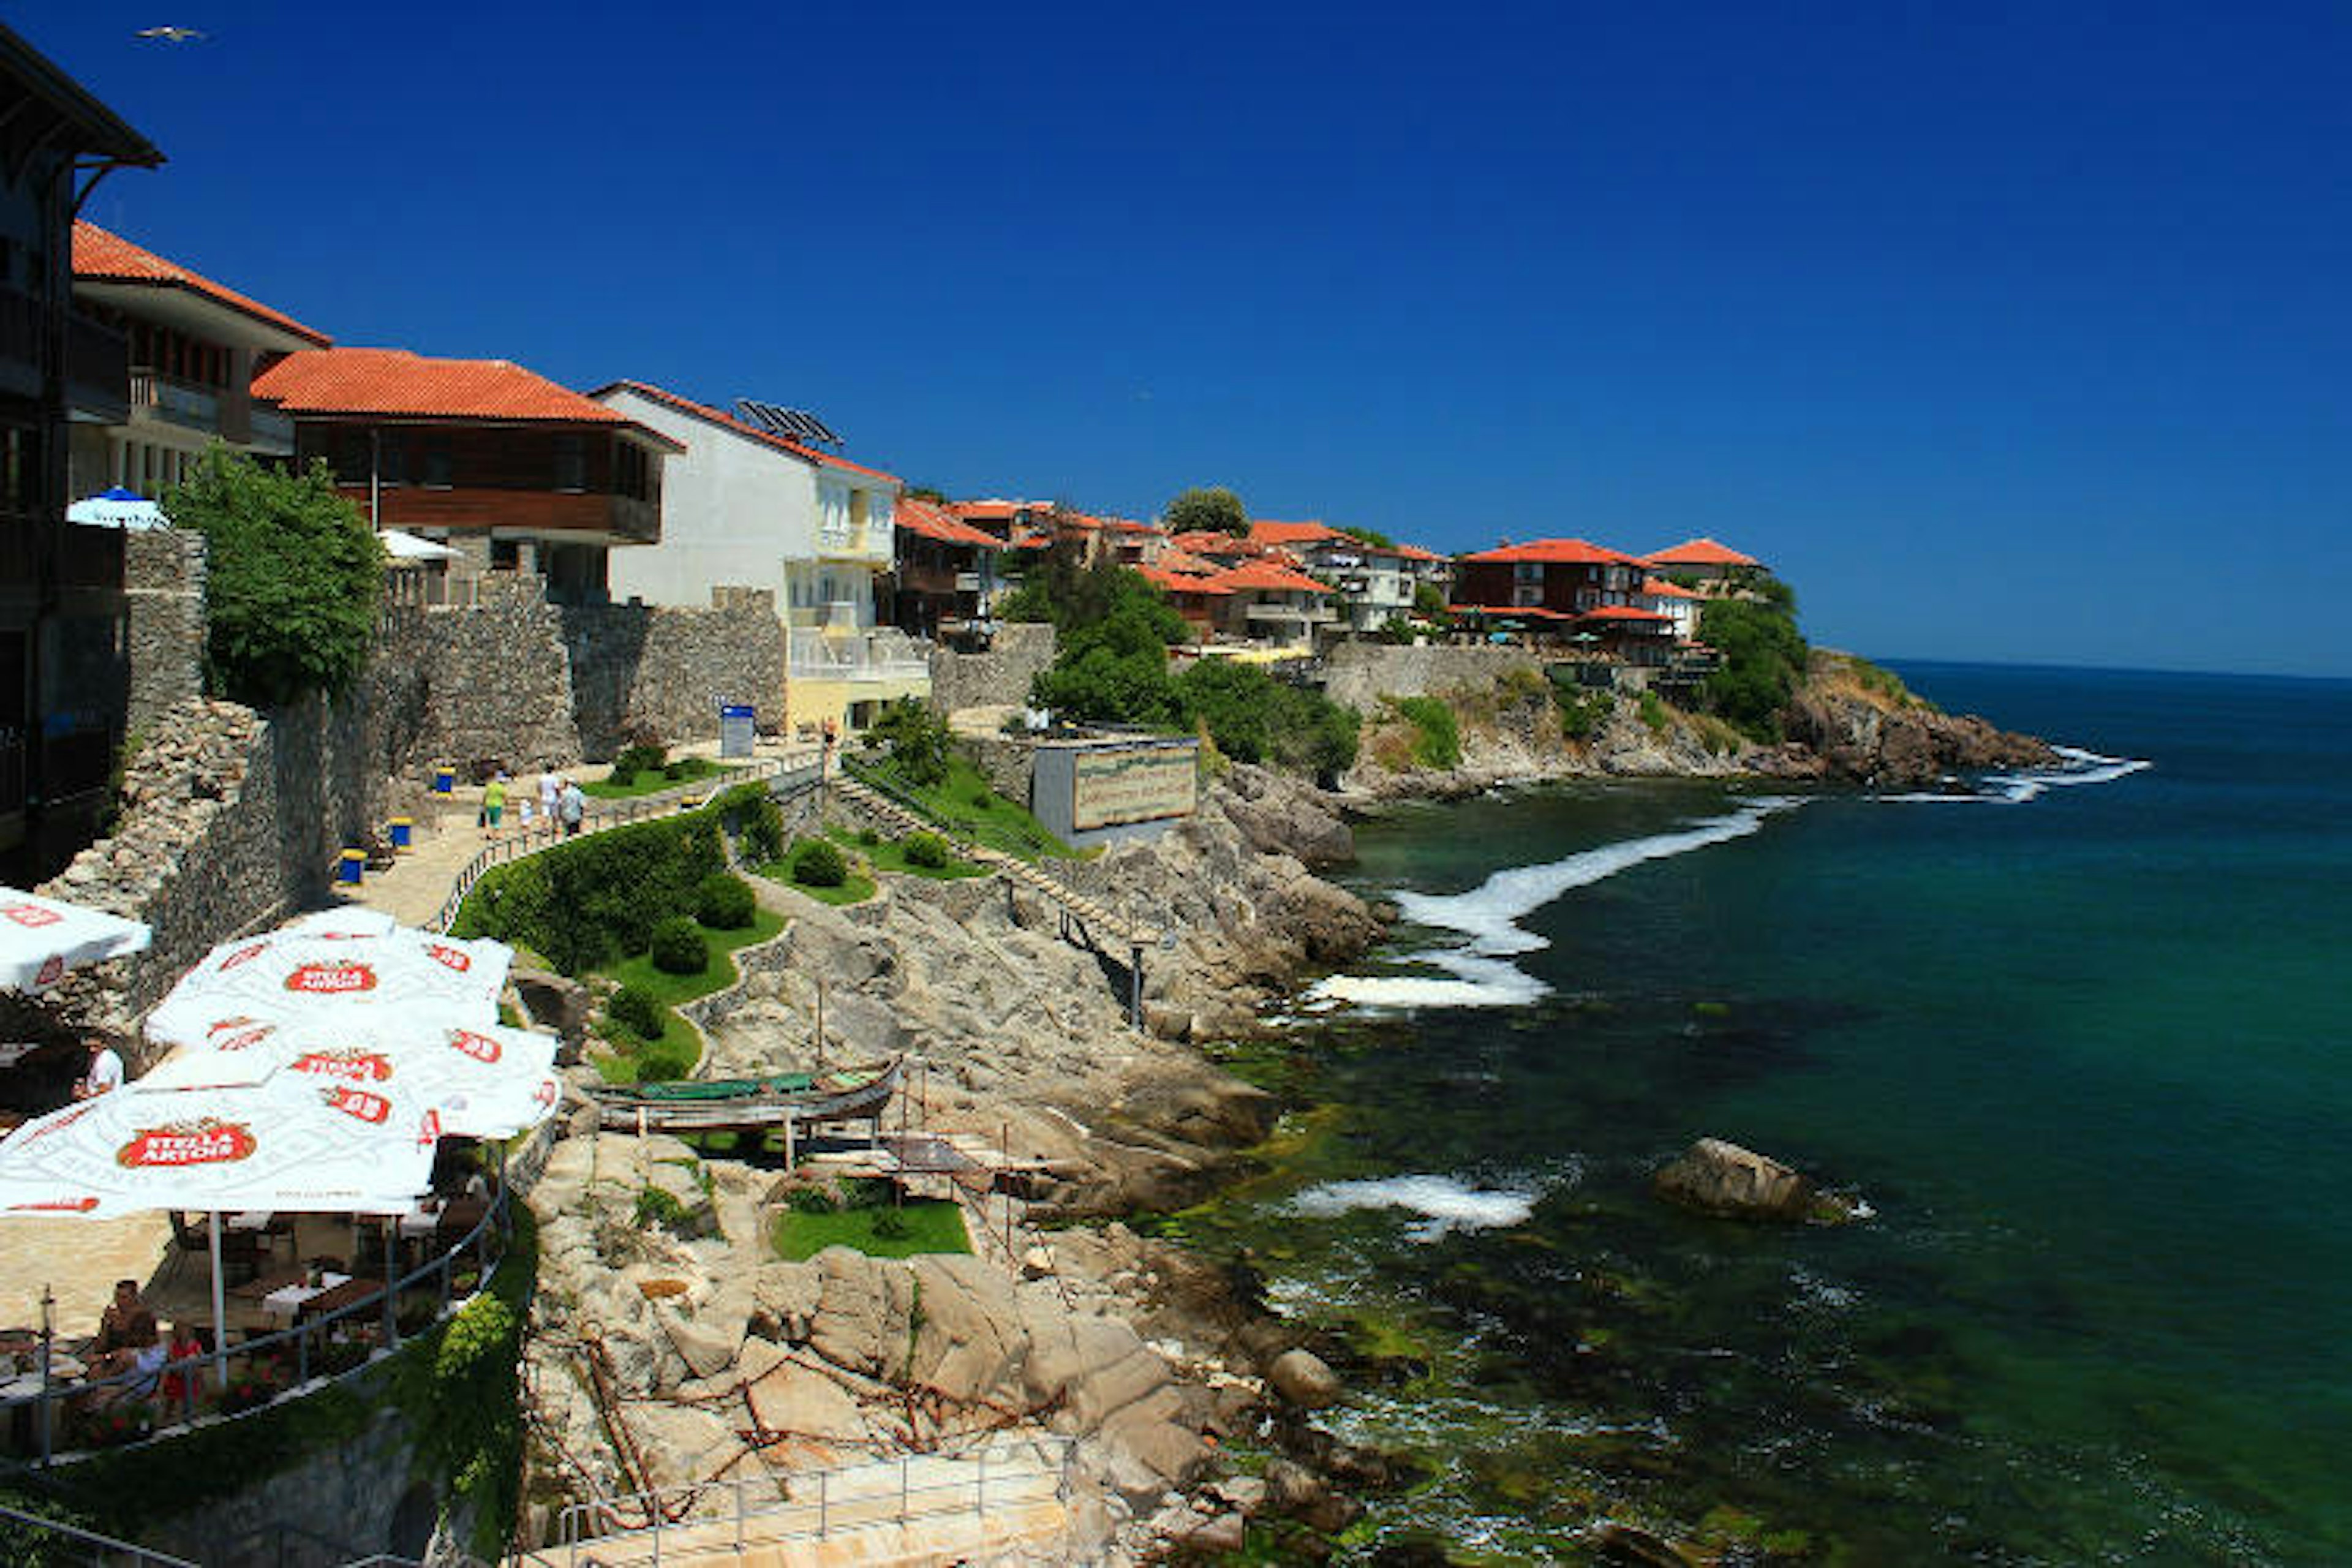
<point>484,1081</point>
<point>343,978</point>
<point>40,939</point>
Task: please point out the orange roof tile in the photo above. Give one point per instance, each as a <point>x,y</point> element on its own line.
<point>1266,531</point>
<point>989,511</point>
<point>1660,588</point>
<point>1416,552</point>
<point>1622,613</point>
<point>398,384</point>
<point>1180,582</point>
<point>1209,541</point>
<point>1269,576</point>
<point>1702,551</point>
<point>703,411</point>
<point>1183,562</point>
<point>1558,552</point>
<point>99,255</point>
<point>934,521</point>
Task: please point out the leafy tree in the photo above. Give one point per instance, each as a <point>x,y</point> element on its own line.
<point>1105,686</point>
<point>294,573</point>
<point>1215,509</point>
<point>1764,657</point>
<point>1428,599</point>
<point>1371,536</point>
<point>931,493</point>
<point>918,739</point>
<point>1027,602</point>
<point>1236,701</point>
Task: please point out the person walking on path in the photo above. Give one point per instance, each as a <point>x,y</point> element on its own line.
<point>551,793</point>
<point>573,807</point>
<point>494,802</point>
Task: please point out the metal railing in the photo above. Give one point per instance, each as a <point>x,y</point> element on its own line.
<point>86,1545</point>
<point>828,1503</point>
<point>378,1311</point>
<point>784,776</point>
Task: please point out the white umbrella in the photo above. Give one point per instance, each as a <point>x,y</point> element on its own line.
<point>40,939</point>
<point>484,1081</point>
<point>117,507</point>
<point>289,1143</point>
<point>307,976</point>
<point>402,546</point>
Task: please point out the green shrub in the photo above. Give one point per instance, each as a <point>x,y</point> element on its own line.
<point>1653,708</point>
<point>928,850</point>
<point>1438,743</point>
<point>724,902</point>
<point>1764,657</point>
<point>869,836</point>
<point>918,739</point>
<point>659,1206</point>
<point>679,947</point>
<point>1581,712</point>
<point>678,768</point>
<point>635,1011</point>
<point>817,863</point>
<point>588,901</point>
<point>890,1225</point>
<point>811,1200</point>
<point>751,813</point>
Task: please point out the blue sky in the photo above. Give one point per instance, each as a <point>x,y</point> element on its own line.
<point>2005,331</point>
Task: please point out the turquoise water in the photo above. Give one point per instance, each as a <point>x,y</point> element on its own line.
<point>2082,1049</point>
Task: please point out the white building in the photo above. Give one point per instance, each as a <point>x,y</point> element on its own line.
<point>1375,581</point>
<point>745,507</point>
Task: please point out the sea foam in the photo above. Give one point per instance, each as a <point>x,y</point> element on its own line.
<point>1477,973</point>
<point>1444,1203</point>
<point>2079,767</point>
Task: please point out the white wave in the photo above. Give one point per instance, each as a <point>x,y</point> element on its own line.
<point>1488,915</point>
<point>1445,1204</point>
<point>2080,767</point>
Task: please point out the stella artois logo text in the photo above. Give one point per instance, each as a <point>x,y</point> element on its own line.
<point>210,1142</point>
<point>360,1105</point>
<point>340,978</point>
<point>56,1205</point>
<point>244,955</point>
<point>30,915</point>
<point>450,957</point>
<point>352,1065</point>
<point>481,1048</point>
<point>428,1132</point>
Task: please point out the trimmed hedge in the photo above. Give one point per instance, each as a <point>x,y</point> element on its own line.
<point>724,902</point>
<point>817,864</point>
<point>589,900</point>
<point>925,850</point>
<point>679,947</point>
<point>637,1011</point>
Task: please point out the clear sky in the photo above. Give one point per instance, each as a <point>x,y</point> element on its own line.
<point>2004,332</point>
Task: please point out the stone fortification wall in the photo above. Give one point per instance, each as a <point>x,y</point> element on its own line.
<point>496,679</point>
<point>664,670</point>
<point>1360,673</point>
<point>1007,763</point>
<point>994,679</point>
<point>164,574</point>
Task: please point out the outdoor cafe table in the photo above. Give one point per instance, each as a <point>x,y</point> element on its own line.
<point>287,1302</point>
<point>347,1292</point>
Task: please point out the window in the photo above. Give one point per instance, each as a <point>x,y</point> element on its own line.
<point>352,462</point>
<point>571,462</point>
<point>437,465</point>
<point>389,457</point>
<point>505,554</point>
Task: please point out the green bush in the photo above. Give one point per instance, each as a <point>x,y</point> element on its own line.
<point>811,1200</point>
<point>817,863</point>
<point>678,768</point>
<point>1581,712</point>
<point>664,1062</point>
<point>751,813</point>
<point>659,1206</point>
<point>869,836</point>
<point>1438,743</point>
<point>1764,657</point>
<point>644,757</point>
<point>588,901</point>
<point>679,947</point>
<point>293,574</point>
<point>1653,708</point>
<point>637,1011</point>
<point>918,739</point>
<point>724,902</point>
<point>928,850</point>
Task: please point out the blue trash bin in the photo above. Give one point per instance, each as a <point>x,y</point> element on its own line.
<point>352,866</point>
<point>403,830</point>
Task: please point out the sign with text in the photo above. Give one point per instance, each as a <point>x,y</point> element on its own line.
<point>1112,787</point>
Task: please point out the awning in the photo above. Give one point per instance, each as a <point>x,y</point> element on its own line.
<point>40,939</point>
<point>409,547</point>
<point>117,507</point>
<point>307,976</point>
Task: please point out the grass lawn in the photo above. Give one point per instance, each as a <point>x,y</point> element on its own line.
<point>690,770</point>
<point>678,1036</point>
<point>890,855</point>
<point>932,1225</point>
<point>966,804</point>
<point>855,890</point>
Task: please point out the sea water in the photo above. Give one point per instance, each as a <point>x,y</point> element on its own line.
<point>2076,1038</point>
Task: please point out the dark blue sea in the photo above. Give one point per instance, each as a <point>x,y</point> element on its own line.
<point>2078,1040</point>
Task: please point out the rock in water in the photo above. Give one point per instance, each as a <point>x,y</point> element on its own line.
<point>1302,1378</point>
<point>1719,1178</point>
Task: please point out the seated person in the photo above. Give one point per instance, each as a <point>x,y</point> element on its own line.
<point>105,1071</point>
<point>183,1383</point>
<point>124,1329</point>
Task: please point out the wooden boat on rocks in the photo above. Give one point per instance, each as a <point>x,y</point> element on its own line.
<point>722,1104</point>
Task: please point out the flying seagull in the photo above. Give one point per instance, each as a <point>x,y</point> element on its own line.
<point>170,35</point>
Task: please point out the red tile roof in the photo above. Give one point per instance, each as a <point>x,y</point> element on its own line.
<point>1622,613</point>
<point>1660,588</point>
<point>934,521</point>
<point>100,256</point>
<point>1702,551</point>
<point>703,411</point>
<point>1183,562</point>
<point>1558,552</point>
<point>1209,541</point>
<point>1510,612</point>
<point>1416,552</point>
<point>1269,576</point>
<point>396,382</point>
<point>992,510</point>
<point>1180,582</point>
<point>1266,531</point>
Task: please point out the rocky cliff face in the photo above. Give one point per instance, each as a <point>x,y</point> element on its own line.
<point>1887,738</point>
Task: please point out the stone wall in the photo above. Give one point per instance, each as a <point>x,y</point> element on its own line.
<point>163,575</point>
<point>664,670</point>
<point>1358,674</point>
<point>496,684</point>
<point>994,679</point>
<point>1007,763</point>
<point>334,1507</point>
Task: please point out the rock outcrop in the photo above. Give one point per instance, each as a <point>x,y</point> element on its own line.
<point>1715,1177</point>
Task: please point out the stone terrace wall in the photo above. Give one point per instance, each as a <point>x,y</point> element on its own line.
<point>163,575</point>
<point>1358,674</point>
<point>665,670</point>
<point>999,677</point>
<point>498,681</point>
